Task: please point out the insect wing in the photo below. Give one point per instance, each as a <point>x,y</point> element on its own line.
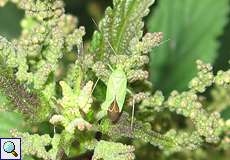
<point>120,86</point>
<point>115,94</point>
<point>113,112</point>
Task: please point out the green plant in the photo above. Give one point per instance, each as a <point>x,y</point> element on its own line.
<point>38,81</point>
<point>192,28</point>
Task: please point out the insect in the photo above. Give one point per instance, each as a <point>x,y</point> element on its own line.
<point>115,93</point>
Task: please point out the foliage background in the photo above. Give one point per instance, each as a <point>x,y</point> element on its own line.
<point>193,29</point>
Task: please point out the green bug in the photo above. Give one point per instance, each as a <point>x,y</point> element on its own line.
<point>115,94</point>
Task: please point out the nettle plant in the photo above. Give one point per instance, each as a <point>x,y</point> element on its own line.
<point>97,94</point>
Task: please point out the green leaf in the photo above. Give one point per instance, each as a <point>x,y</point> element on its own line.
<point>34,144</point>
<point>10,18</point>
<point>119,26</point>
<point>33,104</point>
<point>8,121</point>
<point>113,151</point>
<point>192,28</point>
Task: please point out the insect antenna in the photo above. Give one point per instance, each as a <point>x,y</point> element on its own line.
<point>94,86</point>
<point>106,41</point>
<point>110,67</point>
<point>163,42</point>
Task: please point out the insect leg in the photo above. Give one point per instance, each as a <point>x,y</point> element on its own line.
<point>132,113</point>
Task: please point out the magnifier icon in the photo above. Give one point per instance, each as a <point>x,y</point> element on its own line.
<point>9,147</point>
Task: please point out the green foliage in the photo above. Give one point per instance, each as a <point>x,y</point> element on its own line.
<point>118,40</point>
<point>114,151</point>
<point>72,105</point>
<point>35,145</point>
<point>38,80</point>
<point>192,32</point>
<point>30,103</point>
<point>124,21</point>
<point>8,121</point>
<point>140,131</point>
<point>10,16</point>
